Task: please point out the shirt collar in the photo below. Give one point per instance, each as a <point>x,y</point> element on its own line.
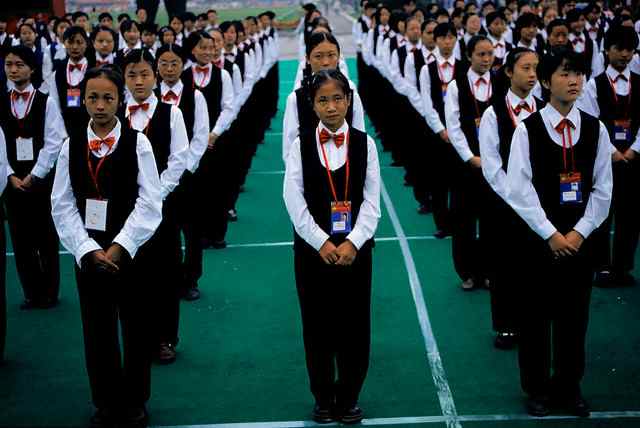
<point>475,76</point>
<point>12,87</point>
<point>555,117</point>
<point>152,101</point>
<point>495,41</point>
<point>343,129</point>
<point>533,46</point>
<point>177,88</point>
<point>83,61</point>
<point>451,60</point>
<point>612,73</point>
<point>195,64</point>
<point>108,58</point>
<point>115,132</point>
<point>515,100</point>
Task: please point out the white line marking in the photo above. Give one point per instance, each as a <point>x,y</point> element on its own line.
<point>281,171</point>
<point>414,420</point>
<point>435,362</point>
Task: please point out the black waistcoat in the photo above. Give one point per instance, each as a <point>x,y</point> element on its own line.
<point>621,108</point>
<point>74,117</point>
<point>470,109</point>
<point>402,58</point>
<point>437,99</point>
<point>212,92</point>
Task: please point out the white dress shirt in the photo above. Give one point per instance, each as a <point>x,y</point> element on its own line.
<point>141,223</point>
<point>447,73</point>
<point>109,59</point>
<point>227,113</point>
<point>492,167</point>
<point>74,78</point>
<point>499,46</point>
<point>358,35</point>
<point>4,162</point>
<point>291,123</point>
<point>521,194</point>
<point>588,101</point>
<point>54,132</point>
<point>293,193</point>
<point>177,162</point>
<point>200,140</point>
<point>482,92</point>
<point>60,53</point>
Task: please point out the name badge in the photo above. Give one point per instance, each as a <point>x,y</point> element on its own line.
<point>477,121</point>
<point>96,215</point>
<point>571,188</point>
<point>622,130</point>
<point>444,90</point>
<point>24,149</point>
<point>340,217</point>
<point>73,97</point>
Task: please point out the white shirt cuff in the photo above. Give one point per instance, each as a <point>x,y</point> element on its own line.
<point>438,128</point>
<point>545,230</point>
<point>39,171</point>
<point>89,246</point>
<point>218,130</point>
<point>127,244</point>
<point>318,239</point>
<point>356,239</point>
<point>584,228</point>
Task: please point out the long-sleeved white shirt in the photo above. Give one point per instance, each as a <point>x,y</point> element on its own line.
<point>482,92</point>
<point>291,122</point>
<point>227,113</point>
<point>177,162</point>
<point>293,193</point>
<point>596,61</point>
<point>54,132</point>
<point>4,162</point>
<point>74,78</point>
<point>447,73</point>
<point>60,53</point>
<point>359,36</point>
<point>492,167</point>
<point>141,223</point>
<point>522,195</point>
<point>200,139</point>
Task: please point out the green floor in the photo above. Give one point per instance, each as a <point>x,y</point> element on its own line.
<point>241,357</point>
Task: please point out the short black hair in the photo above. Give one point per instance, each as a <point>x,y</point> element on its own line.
<point>72,31</point>
<point>427,22</point>
<point>103,29</point>
<point>492,16</point>
<point>514,55</point>
<point>622,37</point>
<point>323,76</point>
<point>127,25</point>
<point>105,15</point>
<point>176,49</point>
<point>123,16</point>
<point>526,20</point>
<point>188,16</point>
<point>212,11</point>
<point>134,56</point>
<point>574,15</point>
<point>202,16</point>
<point>565,58</point>
<point>443,29</point>
<point>148,28</point>
<point>193,40</point>
<point>558,22</point>
<point>24,53</point>
<point>471,45</point>
<point>316,38</point>
<point>79,14</point>
<point>109,72</point>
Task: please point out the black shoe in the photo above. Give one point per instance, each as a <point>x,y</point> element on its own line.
<point>505,340</point>
<point>232,215</point>
<point>191,294</point>
<point>602,279</point>
<point>166,353</point>
<point>622,279</point>
<point>102,418</point>
<point>242,189</point>
<point>538,406</point>
<point>424,209</point>
<point>219,245</point>
<point>353,415</point>
<point>48,303</point>
<point>135,418</point>
<point>28,305</point>
<point>321,414</point>
<point>441,234</point>
<point>396,163</point>
<point>574,405</point>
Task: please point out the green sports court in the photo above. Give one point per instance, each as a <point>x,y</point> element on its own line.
<point>241,358</point>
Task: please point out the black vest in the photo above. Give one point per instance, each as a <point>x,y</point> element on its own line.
<point>31,126</point>
<point>402,58</point>
<point>212,92</point>
<point>307,118</point>
<point>158,132</point>
<point>623,109</point>
<point>187,106</point>
<point>436,85</point>
<point>363,25</point>
<point>74,117</point>
<point>419,62</point>
<point>317,192</point>
<point>547,164</point>
<point>118,181</point>
<point>468,111</point>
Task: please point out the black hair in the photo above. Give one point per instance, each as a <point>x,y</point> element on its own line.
<point>427,22</point>
<point>24,24</point>
<point>317,38</point>
<point>202,16</point>
<point>573,15</point>
<point>212,10</point>
<point>492,16</point>
<point>622,37</point>
<point>79,14</point>
<point>396,18</point>
<point>565,58</point>
<point>127,25</point>
<point>101,29</point>
<point>309,7</point>
<point>469,6</point>
<point>104,15</point>
<point>441,12</point>
<point>239,27</point>
<point>123,16</point>
<point>252,19</point>
<point>471,45</point>
<point>178,17</point>
<point>173,48</point>
<point>72,31</point>
<point>109,72</point>
<point>225,25</point>
<point>525,20</point>
<point>164,29</point>
<point>558,22</point>
<point>134,56</point>
<point>457,12</point>
<point>148,28</point>
<point>514,55</point>
<point>323,76</point>
<point>466,17</point>
<point>188,16</point>
<point>193,40</point>
<point>58,22</point>
<point>25,54</point>
<point>592,7</point>
<point>443,29</point>
<point>320,21</point>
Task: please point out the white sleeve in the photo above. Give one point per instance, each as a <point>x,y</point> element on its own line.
<point>200,139</point>
<point>490,153</point>
<point>588,100</point>
<point>4,162</point>
<point>597,61</point>
<point>226,105</point>
<point>290,124</point>
<point>431,114</point>
<point>358,112</point>
<point>452,116</point>
<point>177,162</point>
<point>47,71</point>
<point>54,135</point>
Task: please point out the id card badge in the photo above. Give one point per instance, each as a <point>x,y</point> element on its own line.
<point>96,215</point>
<point>444,91</point>
<point>477,120</point>
<point>571,188</point>
<point>340,217</point>
<point>622,130</point>
<point>24,149</point>
<point>73,97</point>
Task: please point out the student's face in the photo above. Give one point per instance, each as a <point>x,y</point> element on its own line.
<point>331,104</point>
<point>218,44</point>
<point>593,16</point>
<point>369,12</point>
<point>3,26</point>
<point>61,28</point>
<point>27,36</point>
<point>102,100</point>
<point>524,75</point>
<point>76,46</point>
<point>17,70</point>
<point>559,36</point>
<point>528,33</point>
<point>168,38</point>
<point>106,22</point>
<point>446,44</point>
<point>148,38</point>
<point>189,24</point>
<point>201,24</point>
<point>427,36</point>
<point>472,9</point>
<point>442,19</point>
<point>525,9</point>
<point>413,31</point>
<point>169,67</point>
<point>550,16</point>
<point>508,15</point>
<point>401,28</point>
<point>265,21</point>
<point>497,27</point>
<point>457,21</point>
<point>176,24</point>
<point>570,5</point>
<point>325,56</point>
<point>204,51</point>
<point>132,36</point>
<point>213,18</point>
<point>230,36</point>
<point>482,57</point>
<point>141,14</point>
<point>578,26</point>
<point>619,58</point>
<point>384,17</point>
<point>409,7</point>
<point>103,43</point>
<point>473,24</point>
<point>81,21</point>
<point>565,86</point>
<point>487,10</point>
<point>140,80</point>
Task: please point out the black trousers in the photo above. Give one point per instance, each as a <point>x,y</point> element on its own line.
<point>186,210</point>
<point>624,215</point>
<point>120,377</point>
<point>441,168</point>
<point>3,289</point>
<point>212,181</point>
<point>469,221</point>
<point>335,306</point>
<point>35,240</point>
<point>554,314</point>
<point>174,7</point>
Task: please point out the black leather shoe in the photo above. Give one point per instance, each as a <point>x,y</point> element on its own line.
<point>191,294</point>
<point>135,418</point>
<point>102,418</point>
<point>219,245</point>
<point>505,340</point>
<point>441,234</point>
<point>622,279</point>
<point>424,209</point>
<point>48,303</point>
<point>321,414</point>
<point>353,415</point>
<point>602,279</point>
<point>166,353</point>
<point>28,304</point>
<point>575,405</point>
<point>538,406</point>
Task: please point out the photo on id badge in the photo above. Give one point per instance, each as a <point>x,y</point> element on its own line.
<point>340,217</point>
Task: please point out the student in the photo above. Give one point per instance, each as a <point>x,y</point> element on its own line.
<point>34,132</point>
<point>130,32</point>
<point>496,27</point>
<point>333,258</point>
<point>217,87</point>
<point>582,43</point>
<point>323,52</point>
<point>176,24</point>
<point>55,54</point>
<point>500,120</point>
<point>527,35</point>
<point>468,96</point>
<point>159,259</point>
<point>81,19</point>
<point>561,187</point>
<point>4,163</point>
<point>106,203</point>
<point>68,76</point>
<point>148,38</point>
<point>171,59</point>
<point>610,97</point>
<point>105,20</point>
<point>166,36</point>
<point>28,37</point>
<point>472,26</point>
<point>104,44</point>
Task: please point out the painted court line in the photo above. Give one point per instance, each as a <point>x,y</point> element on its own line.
<point>445,396</point>
<point>415,420</point>
<point>281,171</point>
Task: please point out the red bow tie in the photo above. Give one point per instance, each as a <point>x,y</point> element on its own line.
<point>480,81</point>
<point>522,106</point>
<point>134,108</point>
<point>499,45</point>
<point>15,95</point>
<point>326,136</point>
<point>431,57</point>
<point>96,144</point>
<point>446,65</point>
<point>564,123</point>
<point>620,77</point>
<point>593,30</point>
<point>203,70</point>
<point>170,96</point>
<point>219,63</point>
<point>75,67</point>
<point>577,40</point>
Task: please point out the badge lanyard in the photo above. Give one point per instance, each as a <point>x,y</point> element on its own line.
<point>615,95</point>
<point>94,174</point>
<point>444,84</point>
<point>326,164</point>
<point>564,149</point>
<point>512,114</point>
<point>69,76</point>
<point>26,112</point>
<point>475,100</point>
